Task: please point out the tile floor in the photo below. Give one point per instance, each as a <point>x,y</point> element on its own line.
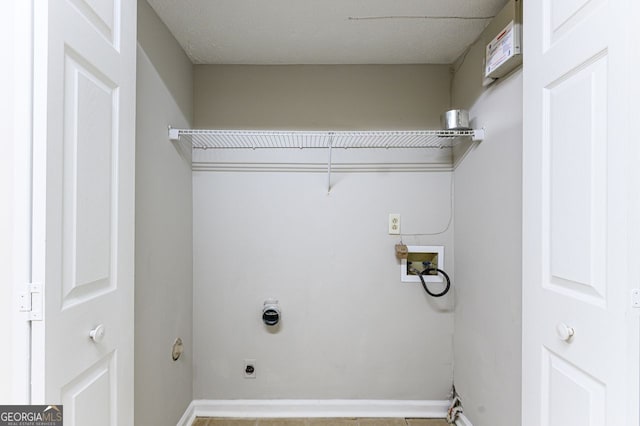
<point>203,421</point>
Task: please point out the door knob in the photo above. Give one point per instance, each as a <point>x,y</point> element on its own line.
<point>564,331</point>
<point>97,333</point>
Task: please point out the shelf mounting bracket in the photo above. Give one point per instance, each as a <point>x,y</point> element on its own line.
<point>478,135</point>
<point>329,164</point>
<point>174,134</point>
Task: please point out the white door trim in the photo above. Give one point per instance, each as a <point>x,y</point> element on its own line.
<point>15,191</point>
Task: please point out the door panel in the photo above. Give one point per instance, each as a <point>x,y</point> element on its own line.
<point>90,397</point>
<point>89,148</point>
<point>574,397</point>
<point>575,166</point>
<point>561,17</point>
<point>84,134</point>
<point>104,16</point>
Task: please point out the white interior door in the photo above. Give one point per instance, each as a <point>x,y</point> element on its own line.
<point>83,208</point>
<point>578,260</point>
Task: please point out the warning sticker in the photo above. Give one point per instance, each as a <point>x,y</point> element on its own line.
<point>501,49</point>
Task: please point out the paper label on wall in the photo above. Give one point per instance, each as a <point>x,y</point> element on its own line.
<point>501,49</point>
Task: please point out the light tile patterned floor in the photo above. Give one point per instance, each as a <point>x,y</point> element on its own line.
<point>202,421</point>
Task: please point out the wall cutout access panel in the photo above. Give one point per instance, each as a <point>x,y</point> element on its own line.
<point>421,258</point>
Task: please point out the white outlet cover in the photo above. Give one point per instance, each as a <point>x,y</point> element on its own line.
<point>409,278</point>
<point>394,223</point>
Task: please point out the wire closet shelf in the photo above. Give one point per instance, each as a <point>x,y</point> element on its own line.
<point>255,139</point>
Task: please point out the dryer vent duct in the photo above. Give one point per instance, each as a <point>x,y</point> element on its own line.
<point>271,312</point>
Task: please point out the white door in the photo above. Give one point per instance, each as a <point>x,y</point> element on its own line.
<point>579,257</point>
<point>83,208</point>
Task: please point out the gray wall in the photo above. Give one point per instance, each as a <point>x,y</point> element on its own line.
<point>322,97</point>
<point>164,269</point>
<point>488,241</point>
<point>171,63</point>
<point>351,329</point>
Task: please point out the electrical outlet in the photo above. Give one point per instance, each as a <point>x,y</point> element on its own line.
<point>394,223</point>
<point>249,370</point>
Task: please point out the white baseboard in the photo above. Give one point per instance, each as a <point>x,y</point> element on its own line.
<point>283,408</point>
<point>189,416</point>
<point>462,420</point>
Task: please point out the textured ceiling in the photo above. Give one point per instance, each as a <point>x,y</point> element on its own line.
<point>325,31</point>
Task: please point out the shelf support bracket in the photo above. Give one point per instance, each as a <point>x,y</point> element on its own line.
<point>174,134</point>
<point>329,164</point>
<point>478,135</point>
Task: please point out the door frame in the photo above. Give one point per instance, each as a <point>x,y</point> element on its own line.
<point>15,189</point>
<point>631,36</point>
<point>17,125</point>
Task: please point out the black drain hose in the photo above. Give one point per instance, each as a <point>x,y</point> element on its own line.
<point>424,285</point>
